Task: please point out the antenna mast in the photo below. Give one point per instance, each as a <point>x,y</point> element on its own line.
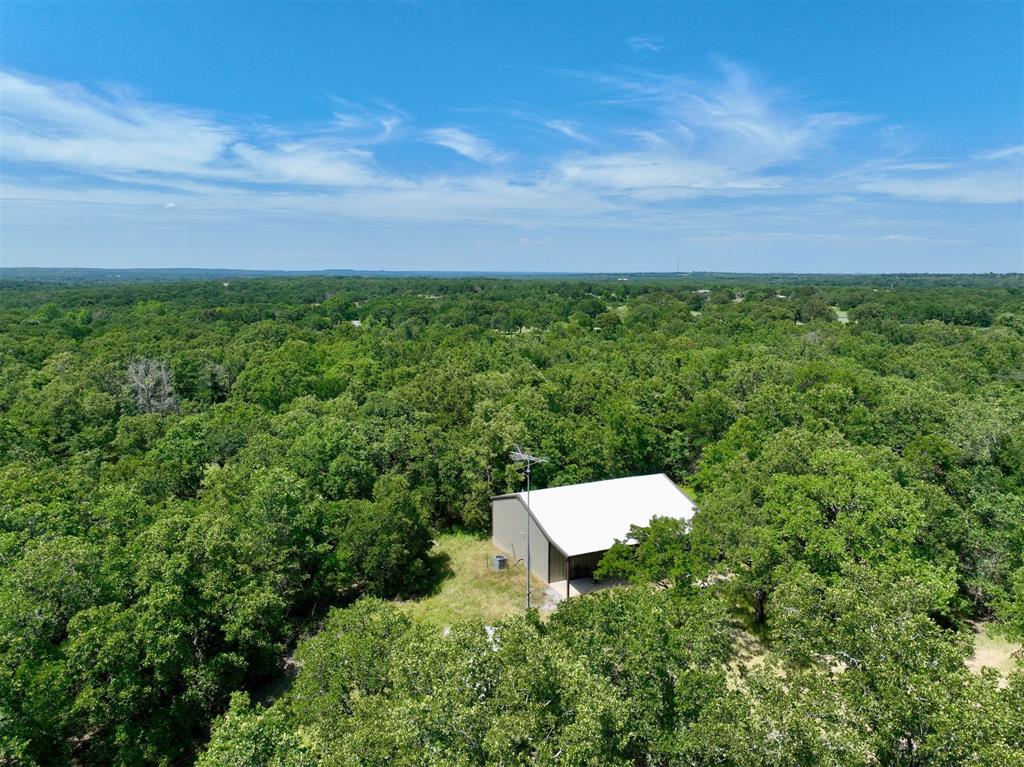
<point>518,455</point>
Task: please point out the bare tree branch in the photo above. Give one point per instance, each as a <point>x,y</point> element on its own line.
<point>152,384</point>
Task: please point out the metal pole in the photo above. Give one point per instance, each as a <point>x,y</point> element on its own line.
<point>527,536</point>
<point>517,455</point>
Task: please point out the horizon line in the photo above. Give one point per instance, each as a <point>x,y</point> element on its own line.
<point>483,273</point>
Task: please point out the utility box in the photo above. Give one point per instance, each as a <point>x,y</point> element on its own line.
<point>499,562</point>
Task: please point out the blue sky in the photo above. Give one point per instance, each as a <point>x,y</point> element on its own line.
<point>524,136</point>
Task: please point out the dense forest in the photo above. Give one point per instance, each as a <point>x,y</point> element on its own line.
<point>218,487</point>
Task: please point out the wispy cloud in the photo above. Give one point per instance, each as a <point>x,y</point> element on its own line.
<point>647,154</point>
<point>566,128</point>
<point>119,136</point>
<point>973,187</point>
<point>362,124</point>
<point>645,43</point>
<point>307,163</point>
<point>660,176</point>
<point>64,125</point>
<point>1009,153</point>
<point>465,143</point>
<point>986,178</point>
<point>737,118</point>
<point>721,136</point>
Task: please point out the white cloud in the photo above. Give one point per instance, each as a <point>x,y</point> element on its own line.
<point>533,242</point>
<point>65,125</point>
<point>985,188</point>
<point>679,141</point>
<point>725,136</point>
<point>986,178</point>
<point>308,163</point>
<point>117,136</point>
<point>743,237</point>
<point>367,124</point>
<point>654,176</point>
<point>913,166</point>
<point>465,143</point>
<point>566,128</point>
<point>903,238</point>
<point>1009,153</point>
<point>748,122</point>
<point>645,44</point>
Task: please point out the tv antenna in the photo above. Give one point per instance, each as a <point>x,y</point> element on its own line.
<point>518,455</point>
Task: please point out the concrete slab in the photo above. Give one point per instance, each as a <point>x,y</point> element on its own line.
<point>579,587</point>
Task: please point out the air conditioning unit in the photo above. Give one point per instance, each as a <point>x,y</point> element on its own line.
<point>499,562</point>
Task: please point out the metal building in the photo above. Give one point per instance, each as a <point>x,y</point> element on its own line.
<point>571,527</point>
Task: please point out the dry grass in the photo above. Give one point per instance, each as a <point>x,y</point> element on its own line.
<point>748,653</point>
<point>992,651</point>
<point>467,587</point>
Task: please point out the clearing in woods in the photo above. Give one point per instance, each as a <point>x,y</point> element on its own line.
<point>468,587</point>
<point>993,651</point>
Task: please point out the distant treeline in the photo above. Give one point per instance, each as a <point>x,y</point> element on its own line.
<point>79,275</point>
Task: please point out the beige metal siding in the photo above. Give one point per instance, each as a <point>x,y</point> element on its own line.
<point>538,552</point>
<point>508,517</point>
<point>556,565</point>
<point>507,521</point>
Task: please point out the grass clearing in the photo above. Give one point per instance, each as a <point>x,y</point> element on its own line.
<point>748,653</point>
<point>749,647</point>
<point>992,651</point>
<point>468,587</point>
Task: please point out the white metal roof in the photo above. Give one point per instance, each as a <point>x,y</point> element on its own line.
<point>580,519</point>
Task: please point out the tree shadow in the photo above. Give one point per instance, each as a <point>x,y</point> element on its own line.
<point>266,689</point>
<point>438,570</point>
<point>743,614</point>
